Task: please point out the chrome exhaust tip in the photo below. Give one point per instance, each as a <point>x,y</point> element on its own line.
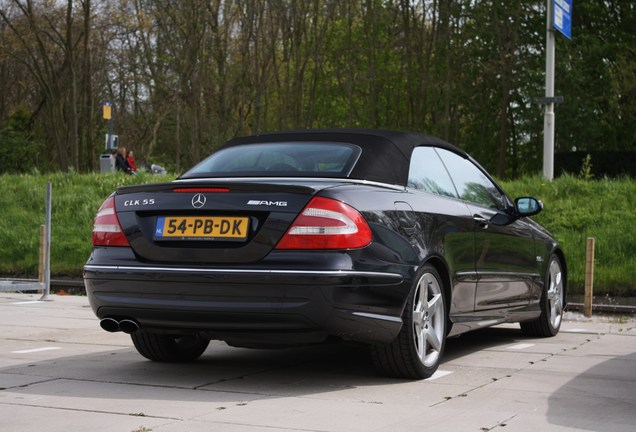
<point>128,326</point>
<point>109,324</point>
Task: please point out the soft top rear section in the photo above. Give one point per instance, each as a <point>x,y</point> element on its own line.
<point>384,155</point>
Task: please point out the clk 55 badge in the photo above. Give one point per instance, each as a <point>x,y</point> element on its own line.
<point>139,202</point>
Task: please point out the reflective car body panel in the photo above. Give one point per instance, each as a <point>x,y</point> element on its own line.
<point>250,292</point>
<point>506,265</point>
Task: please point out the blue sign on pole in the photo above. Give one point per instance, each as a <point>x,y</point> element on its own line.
<point>562,19</point>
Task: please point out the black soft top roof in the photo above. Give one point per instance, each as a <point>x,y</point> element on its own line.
<point>385,154</point>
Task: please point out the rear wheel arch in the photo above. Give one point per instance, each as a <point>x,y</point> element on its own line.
<point>417,350</point>
<point>551,303</point>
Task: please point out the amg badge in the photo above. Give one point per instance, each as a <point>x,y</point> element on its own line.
<point>267,203</point>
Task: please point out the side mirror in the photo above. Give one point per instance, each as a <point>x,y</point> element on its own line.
<point>528,206</point>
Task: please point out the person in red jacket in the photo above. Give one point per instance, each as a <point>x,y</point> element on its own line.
<point>130,158</point>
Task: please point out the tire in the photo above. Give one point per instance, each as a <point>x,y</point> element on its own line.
<point>417,350</point>
<point>169,348</point>
<point>551,304</point>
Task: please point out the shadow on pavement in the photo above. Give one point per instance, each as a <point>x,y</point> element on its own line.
<point>589,402</point>
<point>478,340</point>
<point>222,371</point>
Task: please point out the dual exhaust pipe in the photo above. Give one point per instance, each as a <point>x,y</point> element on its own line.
<point>112,325</point>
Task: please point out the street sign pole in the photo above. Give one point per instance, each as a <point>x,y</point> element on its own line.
<point>110,134</point>
<point>548,117</point>
<point>108,115</point>
<point>559,18</point>
<point>47,247</point>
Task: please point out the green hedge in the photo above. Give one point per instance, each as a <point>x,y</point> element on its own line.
<point>574,210</point>
<point>577,209</point>
<point>76,198</point>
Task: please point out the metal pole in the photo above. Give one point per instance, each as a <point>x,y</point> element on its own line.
<point>548,118</point>
<point>42,253</point>
<point>110,134</point>
<point>589,277</point>
<point>47,255</point>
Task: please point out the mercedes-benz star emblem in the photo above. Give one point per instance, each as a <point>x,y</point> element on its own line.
<point>198,201</point>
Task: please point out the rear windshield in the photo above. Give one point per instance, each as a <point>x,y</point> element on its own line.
<point>288,159</point>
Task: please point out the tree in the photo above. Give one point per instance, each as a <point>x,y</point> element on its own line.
<point>186,76</point>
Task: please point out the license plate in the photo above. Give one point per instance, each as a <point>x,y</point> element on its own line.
<point>201,228</point>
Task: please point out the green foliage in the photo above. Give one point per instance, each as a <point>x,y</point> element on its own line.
<point>502,67</point>
<point>76,198</point>
<point>586,168</point>
<point>596,74</point>
<point>20,152</point>
<point>19,120</point>
<point>574,211</point>
<point>191,75</point>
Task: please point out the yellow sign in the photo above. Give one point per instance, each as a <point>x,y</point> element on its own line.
<point>107,111</point>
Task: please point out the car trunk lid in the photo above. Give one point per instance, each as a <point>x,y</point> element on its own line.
<point>210,222</point>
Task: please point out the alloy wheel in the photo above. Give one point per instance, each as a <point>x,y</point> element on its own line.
<point>555,293</point>
<point>428,320</point>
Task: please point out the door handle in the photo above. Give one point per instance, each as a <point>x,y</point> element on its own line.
<point>481,221</point>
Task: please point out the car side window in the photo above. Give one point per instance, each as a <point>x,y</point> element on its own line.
<point>471,182</point>
<point>427,173</point>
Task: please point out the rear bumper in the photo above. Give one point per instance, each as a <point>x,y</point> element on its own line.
<point>288,306</point>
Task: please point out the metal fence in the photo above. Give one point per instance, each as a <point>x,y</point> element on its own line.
<point>8,285</point>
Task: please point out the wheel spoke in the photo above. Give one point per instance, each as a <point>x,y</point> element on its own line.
<point>422,293</point>
<point>421,345</point>
<point>418,316</point>
<point>435,304</point>
<point>559,308</point>
<point>433,338</point>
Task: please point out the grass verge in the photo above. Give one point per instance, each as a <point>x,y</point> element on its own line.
<point>574,210</point>
<point>76,198</point>
<point>577,209</point>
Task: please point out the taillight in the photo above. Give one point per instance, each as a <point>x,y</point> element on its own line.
<point>326,223</point>
<point>106,228</point>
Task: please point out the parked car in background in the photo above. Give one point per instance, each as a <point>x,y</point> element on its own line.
<point>397,240</point>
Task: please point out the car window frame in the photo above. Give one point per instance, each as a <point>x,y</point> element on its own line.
<point>505,202</point>
<point>442,165</point>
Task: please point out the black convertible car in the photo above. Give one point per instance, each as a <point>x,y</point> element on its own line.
<point>397,240</point>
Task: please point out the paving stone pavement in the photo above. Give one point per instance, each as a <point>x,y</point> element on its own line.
<point>59,371</point>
